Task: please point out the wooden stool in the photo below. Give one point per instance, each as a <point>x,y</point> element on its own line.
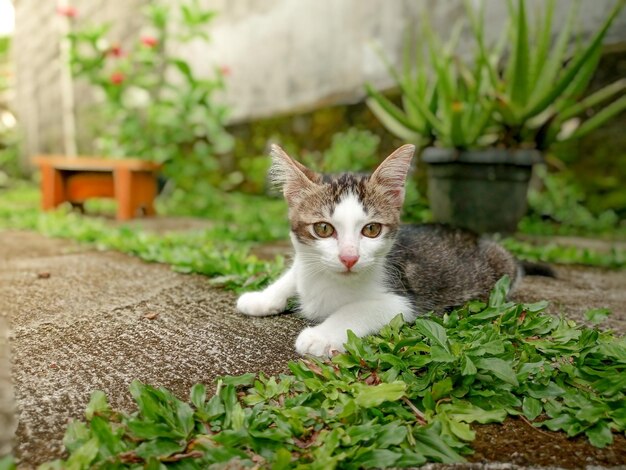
<point>131,182</point>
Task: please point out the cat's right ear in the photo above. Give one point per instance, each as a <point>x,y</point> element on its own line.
<point>292,177</point>
<point>391,174</point>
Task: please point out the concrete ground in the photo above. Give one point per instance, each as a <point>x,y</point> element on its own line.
<point>83,320</point>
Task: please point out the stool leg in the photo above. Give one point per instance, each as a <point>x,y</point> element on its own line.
<point>146,191</point>
<point>52,187</point>
<point>123,195</point>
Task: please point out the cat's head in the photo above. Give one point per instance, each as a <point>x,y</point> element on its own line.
<point>343,224</point>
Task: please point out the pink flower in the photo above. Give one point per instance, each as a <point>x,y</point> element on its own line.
<point>225,70</point>
<point>117,78</point>
<point>116,51</point>
<point>67,11</point>
<point>149,41</point>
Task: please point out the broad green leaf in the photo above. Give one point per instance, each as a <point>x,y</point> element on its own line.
<point>563,422</point>
<point>184,69</point>
<point>101,429</point>
<point>184,416</point>
<point>392,434</point>
<point>145,400</point>
<point>243,380</point>
<point>97,404</point>
<point>159,448</point>
<point>592,413</point>
<point>369,396</point>
<point>469,413</point>
<point>531,407</point>
<point>499,368</point>
<point>429,442</point>
<point>611,384</point>
<point>197,395</point>
<point>550,390</point>
<point>597,315</point>
<point>442,388</point>
<point>82,457</point>
<point>433,331</point>
<point>600,435</point>
<point>377,458</point>
<point>76,435</point>
<point>500,292</point>
<point>467,366</point>
<point>438,354</point>
<point>282,459</point>
<point>151,430</point>
<point>461,430</point>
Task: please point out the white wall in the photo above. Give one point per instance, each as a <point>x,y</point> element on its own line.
<point>284,55</point>
<point>287,55</point>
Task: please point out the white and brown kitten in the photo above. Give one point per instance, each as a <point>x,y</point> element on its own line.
<point>356,267</point>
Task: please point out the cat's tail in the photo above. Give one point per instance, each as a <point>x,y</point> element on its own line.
<point>530,268</point>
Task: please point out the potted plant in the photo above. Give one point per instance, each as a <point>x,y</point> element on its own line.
<point>484,123</point>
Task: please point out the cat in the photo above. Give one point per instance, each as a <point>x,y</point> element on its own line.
<point>356,267</point>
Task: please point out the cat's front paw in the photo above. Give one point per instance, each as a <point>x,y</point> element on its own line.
<point>317,341</point>
<point>260,304</point>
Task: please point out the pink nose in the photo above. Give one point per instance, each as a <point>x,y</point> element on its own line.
<point>348,260</point>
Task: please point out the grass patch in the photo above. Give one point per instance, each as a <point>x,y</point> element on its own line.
<point>615,258</point>
<point>221,252</point>
<point>401,398</point>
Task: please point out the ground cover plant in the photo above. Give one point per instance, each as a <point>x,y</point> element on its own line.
<point>154,105</point>
<point>223,251</point>
<point>401,398</point>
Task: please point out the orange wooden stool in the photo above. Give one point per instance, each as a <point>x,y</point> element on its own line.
<point>131,182</point>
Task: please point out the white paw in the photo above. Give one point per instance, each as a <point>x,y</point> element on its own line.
<point>260,304</point>
<point>318,341</point>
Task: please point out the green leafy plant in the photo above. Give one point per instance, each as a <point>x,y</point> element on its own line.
<point>9,154</point>
<point>401,398</point>
<point>355,149</point>
<point>222,252</point>
<point>7,463</point>
<point>155,106</point>
<point>523,91</point>
<point>559,207</point>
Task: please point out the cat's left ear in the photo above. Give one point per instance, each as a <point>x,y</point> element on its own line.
<point>391,173</point>
<point>291,176</point>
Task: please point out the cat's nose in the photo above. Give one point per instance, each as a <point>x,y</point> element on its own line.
<point>348,260</point>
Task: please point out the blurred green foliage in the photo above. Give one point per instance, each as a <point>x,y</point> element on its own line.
<point>598,161</point>
<point>560,207</point>
<point>222,251</point>
<point>525,90</point>
<point>155,106</point>
<point>9,150</point>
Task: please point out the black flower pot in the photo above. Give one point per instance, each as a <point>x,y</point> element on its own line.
<point>482,190</point>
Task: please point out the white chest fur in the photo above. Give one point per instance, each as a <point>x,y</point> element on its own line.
<point>324,293</point>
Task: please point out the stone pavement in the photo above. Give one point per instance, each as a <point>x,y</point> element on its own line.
<point>83,320</point>
<point>79,324</point>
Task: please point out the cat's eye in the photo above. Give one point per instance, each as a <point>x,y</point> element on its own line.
<point>323,229</point>
<point>372,230</point>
